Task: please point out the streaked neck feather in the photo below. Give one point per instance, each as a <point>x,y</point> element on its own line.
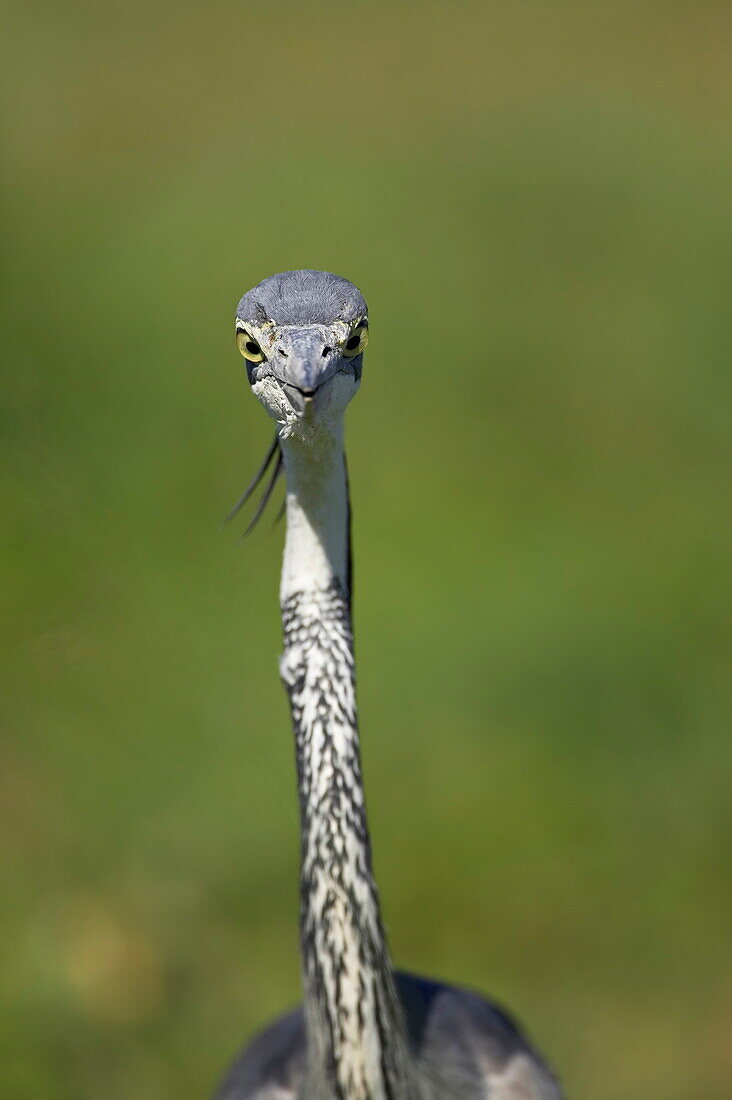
<point>357,1048</point>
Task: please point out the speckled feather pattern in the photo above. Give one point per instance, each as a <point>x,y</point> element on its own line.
<point>354,1019</point>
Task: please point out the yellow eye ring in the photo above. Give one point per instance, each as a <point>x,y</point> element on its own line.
<point>249,347</point>
<point>357,341</point>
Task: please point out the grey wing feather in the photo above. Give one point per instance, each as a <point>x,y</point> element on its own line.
<point>271,1066</point>
<point>465,1048</point>
<point>468,1048</point>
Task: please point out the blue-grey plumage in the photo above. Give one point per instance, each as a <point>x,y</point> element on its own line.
<point>464,1047</point>
<point>302,298</point>
<point>365,1032</point>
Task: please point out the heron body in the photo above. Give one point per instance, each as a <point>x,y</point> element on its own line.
<point>364,1032</point>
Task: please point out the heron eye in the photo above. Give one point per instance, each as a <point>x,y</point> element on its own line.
<point>249,347</point>
<point>357,341</point>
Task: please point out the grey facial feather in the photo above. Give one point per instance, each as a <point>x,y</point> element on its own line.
<point>302,298</point>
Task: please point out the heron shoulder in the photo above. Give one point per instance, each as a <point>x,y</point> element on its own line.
<point>468,1047</point>
<point>465,1048</point>
<point>271,1066</point>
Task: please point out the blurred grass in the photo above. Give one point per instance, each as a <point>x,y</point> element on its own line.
<point>535,199</point>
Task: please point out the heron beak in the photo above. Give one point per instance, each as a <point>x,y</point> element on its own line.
<point>303,366</point>
<point>302,400</point>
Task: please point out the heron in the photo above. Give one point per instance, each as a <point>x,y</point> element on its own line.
<point>365,1031</point>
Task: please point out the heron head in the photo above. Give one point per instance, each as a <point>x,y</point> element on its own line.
<point>302,335</point>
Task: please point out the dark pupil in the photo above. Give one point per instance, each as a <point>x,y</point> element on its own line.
<point>353,342</point>
<point>252,347</point>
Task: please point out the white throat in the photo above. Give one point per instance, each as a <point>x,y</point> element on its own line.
<point>316,546</point>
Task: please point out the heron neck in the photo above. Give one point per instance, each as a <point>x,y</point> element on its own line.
<point>356,1040</point>
<point>317,543</point>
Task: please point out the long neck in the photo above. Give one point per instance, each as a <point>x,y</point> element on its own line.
<point>356,1042</point>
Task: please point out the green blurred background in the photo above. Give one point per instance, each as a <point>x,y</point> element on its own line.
<point>535,198</point>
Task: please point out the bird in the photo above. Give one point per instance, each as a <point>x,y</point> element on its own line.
<point>365,1031</point>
